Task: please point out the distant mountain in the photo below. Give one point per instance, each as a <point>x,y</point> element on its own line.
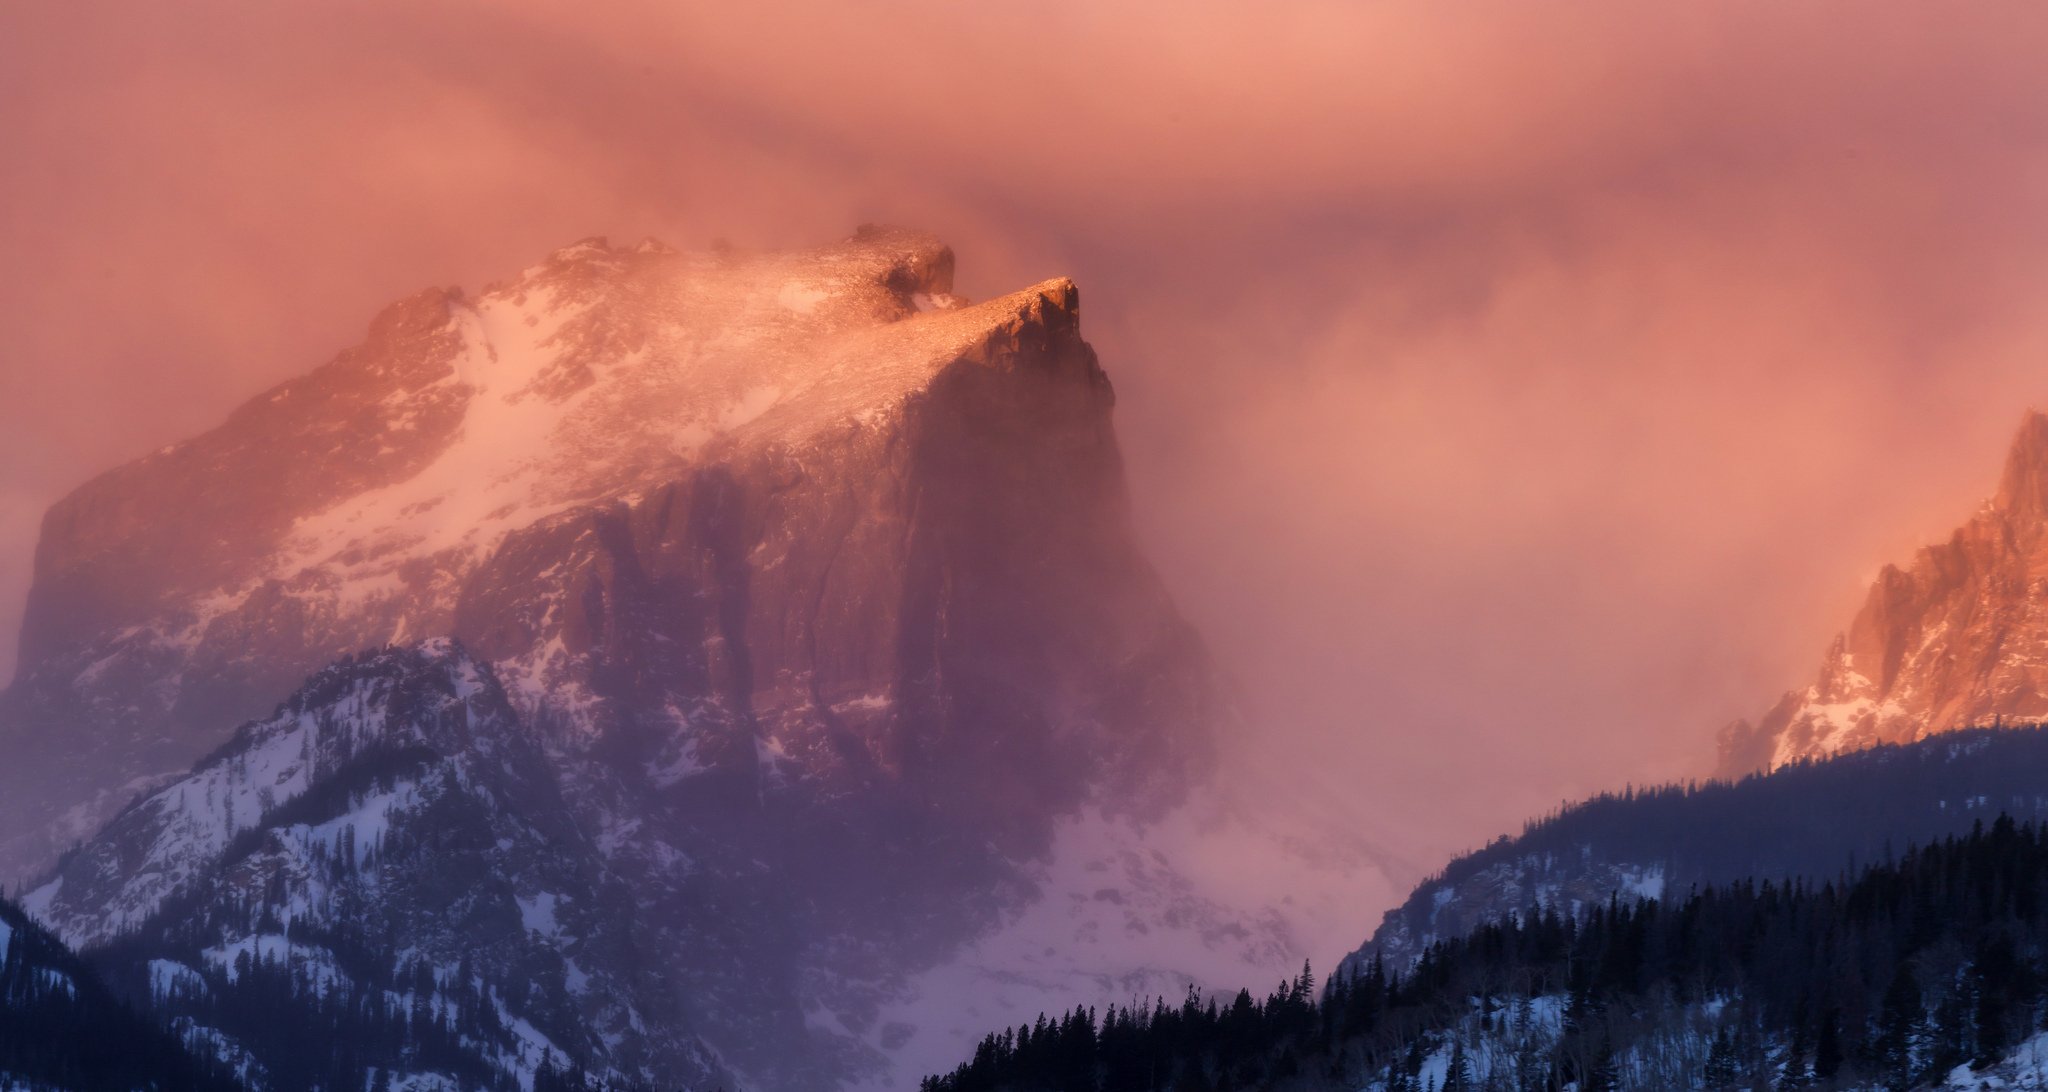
<point>823,696</point>
<point>1957,639</point>
<point>1813,819</point>
<point>62,1030</point>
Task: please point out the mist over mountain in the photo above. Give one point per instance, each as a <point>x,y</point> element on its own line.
<point>1643,337</point>
<point>740,651</point>
<point>1957,638</point>
<point>732,519</point>
<point>771,689</point>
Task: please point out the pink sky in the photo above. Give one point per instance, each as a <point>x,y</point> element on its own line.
<point>1514,393</point>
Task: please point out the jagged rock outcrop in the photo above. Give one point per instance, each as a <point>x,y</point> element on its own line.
<point>1957,639</point>
<point>811,582</point>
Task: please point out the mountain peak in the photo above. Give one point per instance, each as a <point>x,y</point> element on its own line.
<point>916,261</point>
<point>2023,490</point>
<point>1956,639</point>
<point>461,418</point>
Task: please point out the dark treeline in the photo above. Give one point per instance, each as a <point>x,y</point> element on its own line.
<point>1891,977</point>
<point>60,1027</point>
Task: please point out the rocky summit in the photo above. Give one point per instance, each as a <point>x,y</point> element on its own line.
<point>745,520</point>
<point>761,635</point>
<point>1956,639</point>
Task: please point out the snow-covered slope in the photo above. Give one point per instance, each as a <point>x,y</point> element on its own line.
<point>2026,1067</point>
<point>354,713</point>
<point>389,842</point>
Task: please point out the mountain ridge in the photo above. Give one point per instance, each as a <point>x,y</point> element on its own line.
<point>388,840</point>
<point>1814,819</point>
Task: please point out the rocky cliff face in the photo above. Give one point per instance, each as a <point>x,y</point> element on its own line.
<point>809,584</point>
<point>1959,638</point>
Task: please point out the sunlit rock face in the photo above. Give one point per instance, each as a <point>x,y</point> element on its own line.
<point>811,583</point>
<point>749,520</point>
<point>1957,639</point>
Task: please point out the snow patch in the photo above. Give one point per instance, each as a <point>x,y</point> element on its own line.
<point>1643,883</point>
<point>537,913</point>
<point>801,297</point>
<point>168,976</point>
<point>2025,1068</point>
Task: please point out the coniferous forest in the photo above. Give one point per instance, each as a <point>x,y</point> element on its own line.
<point>63,1027</point>
<point>1890,978</point>
<point>60,1027</point>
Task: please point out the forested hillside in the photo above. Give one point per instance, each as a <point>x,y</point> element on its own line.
<point>1810,818</point>
<point>60,1028</point>
<point>1892,978</point>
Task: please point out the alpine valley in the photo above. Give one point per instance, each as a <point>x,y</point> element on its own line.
<point>660,670</point>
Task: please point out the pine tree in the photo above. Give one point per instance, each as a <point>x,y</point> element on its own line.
<point>1722,1069</point>
<point>1898,1030</point>
<point>1605,1075</point>
<point>1458,1078</point>
<point>1827,1051</point>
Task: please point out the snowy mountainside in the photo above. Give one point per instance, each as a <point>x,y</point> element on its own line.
<point>389,843</point>
<point>1814,819</point>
